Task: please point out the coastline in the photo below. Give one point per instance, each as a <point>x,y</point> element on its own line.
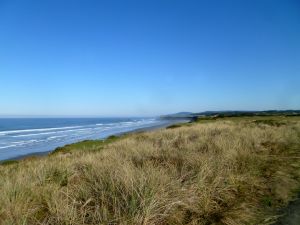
<point>174,155</point>
<point>143,129</point>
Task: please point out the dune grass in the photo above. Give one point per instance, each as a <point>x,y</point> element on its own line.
<point>219,172</point>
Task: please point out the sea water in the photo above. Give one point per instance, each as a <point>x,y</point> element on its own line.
<point>19,137</point>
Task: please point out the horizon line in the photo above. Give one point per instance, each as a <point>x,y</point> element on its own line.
<point>136,116</point>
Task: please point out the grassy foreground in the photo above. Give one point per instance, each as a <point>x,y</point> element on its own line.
<point>217,171</point>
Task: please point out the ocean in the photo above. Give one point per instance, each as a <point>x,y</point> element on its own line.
<point>20,137</point>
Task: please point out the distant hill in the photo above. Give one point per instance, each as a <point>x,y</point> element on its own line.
<point>232,114</point>
<point>248,113</point>
<point>180,115</point>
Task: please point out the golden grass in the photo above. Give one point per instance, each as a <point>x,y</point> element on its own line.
<point>214,173</point>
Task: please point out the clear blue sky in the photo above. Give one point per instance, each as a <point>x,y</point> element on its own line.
<point>148,57</point>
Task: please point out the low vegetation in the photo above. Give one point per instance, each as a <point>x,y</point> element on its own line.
<point>216,171</point>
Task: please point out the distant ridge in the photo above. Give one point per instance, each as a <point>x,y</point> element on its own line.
<point>232,113</point>
<point>180,114</point>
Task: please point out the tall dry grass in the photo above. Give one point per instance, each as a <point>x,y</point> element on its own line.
<point>215,173</point>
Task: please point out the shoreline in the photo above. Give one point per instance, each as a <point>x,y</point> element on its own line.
<point>128,156</point>
<point>143,129</point>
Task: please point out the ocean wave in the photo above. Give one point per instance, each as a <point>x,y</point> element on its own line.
<point>21,143</point>
<point>55,132</point>
<point>8,146</point>
<point>34,130</point>
<point>55,137</point>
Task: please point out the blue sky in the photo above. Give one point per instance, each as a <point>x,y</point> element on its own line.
<point>150,57</point>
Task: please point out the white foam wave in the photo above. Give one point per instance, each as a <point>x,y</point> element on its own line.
<point>8,146</point>
<point>20,143</point>
<point>37,130</point>
<point>55,137</point>
<point>46,133</point>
